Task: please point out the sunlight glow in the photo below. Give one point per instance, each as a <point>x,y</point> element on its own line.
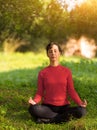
<point>83,47</point>
<point>87,47</point>
<point>70,4</point>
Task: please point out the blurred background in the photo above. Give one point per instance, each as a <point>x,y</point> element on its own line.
<point>28,25</point>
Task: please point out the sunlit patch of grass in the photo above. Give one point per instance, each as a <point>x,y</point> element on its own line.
<point>20,61</point>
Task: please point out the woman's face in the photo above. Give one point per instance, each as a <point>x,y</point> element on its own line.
<point>53,53</point>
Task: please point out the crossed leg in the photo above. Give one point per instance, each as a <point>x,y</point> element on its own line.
<point>45,112</point>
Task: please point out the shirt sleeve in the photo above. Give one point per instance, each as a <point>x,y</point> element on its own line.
<point>71,90</point>
<point>39,92</point>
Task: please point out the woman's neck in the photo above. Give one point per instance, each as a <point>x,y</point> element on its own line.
<point>54,63</point>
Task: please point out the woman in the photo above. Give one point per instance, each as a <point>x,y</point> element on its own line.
<point>55,84</point>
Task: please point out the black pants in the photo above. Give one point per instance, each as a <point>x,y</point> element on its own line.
<point>56,114</point>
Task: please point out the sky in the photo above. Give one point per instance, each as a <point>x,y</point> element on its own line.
<point>71,3</point>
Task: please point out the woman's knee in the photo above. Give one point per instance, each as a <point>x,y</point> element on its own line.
<point>32,109</point>
<point>81,112</point>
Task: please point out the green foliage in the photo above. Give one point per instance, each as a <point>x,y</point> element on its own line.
<point>19,18</point>
<point>18,81</point>
<point>84,19</point>
<point>42,20</point>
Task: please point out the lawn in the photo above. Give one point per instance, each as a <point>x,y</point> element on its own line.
<point>18,81</point>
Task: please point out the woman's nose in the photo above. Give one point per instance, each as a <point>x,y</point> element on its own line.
<point>53,52</point>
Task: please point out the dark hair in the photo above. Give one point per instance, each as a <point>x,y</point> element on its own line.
<point>49,46</point>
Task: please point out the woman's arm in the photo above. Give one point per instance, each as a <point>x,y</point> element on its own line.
<point>72,92</point>
<point>40,90</point>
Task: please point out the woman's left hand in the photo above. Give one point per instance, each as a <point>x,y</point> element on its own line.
<point>84,104</point>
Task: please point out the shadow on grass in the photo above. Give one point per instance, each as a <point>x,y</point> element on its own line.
<point>15,89</point>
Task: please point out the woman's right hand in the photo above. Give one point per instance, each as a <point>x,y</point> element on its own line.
<point>31,101</point>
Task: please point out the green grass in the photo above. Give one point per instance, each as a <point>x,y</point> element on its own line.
<point>18,81</point>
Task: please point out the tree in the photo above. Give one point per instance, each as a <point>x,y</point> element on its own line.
<point>41,21</point>
<point>19,18</point>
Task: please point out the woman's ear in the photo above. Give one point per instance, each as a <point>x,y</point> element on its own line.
<point>47,54</point>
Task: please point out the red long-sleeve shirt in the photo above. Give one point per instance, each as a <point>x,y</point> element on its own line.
<point>54,84</point>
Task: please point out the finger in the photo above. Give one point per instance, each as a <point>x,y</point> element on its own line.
<point>30,97</point>
<point>85,101</point>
